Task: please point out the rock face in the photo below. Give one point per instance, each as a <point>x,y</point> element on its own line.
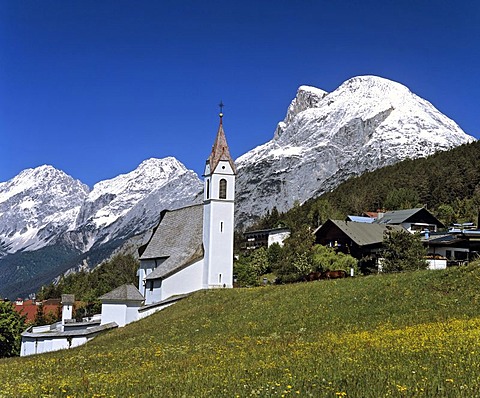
<point>367,123</point>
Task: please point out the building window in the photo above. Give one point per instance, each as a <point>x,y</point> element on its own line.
<point>219,279</point>
<point>208,189</point>
<point>221,226</point>
<point>151,286</point>
<point>223,189</point>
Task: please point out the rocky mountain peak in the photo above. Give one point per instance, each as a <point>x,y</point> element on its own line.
<point>35,205</point>
<point>307,97</point>
<point>366,123</point>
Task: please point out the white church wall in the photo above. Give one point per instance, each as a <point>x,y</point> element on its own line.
<point>27,347</point>
<point>153,293</point>
<point>40,345</point>
<point>132,312</point>
<point>187,280</point>
<point>146,267</point>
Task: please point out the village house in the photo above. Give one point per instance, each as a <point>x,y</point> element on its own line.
<point>362,237</point>
<point>412,220</point>
<point>190,249</point>
<point>362,240</point>
<point>253,240</point>
<point>30,308</point>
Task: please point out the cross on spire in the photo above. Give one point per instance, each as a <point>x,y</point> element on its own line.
<point>221,108</point>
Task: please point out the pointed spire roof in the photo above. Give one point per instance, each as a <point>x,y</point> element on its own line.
<point>220,149</point>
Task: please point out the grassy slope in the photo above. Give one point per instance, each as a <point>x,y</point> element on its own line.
<point>412,334</point>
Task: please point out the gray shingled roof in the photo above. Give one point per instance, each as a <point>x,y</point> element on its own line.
<point>178,240</point>
<point>123,293</point>
<point>364,234</point>
<point>397,216</point>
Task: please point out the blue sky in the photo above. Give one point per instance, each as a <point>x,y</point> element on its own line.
<point>96,87</point>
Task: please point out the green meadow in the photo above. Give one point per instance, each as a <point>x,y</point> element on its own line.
<point>398,335</point>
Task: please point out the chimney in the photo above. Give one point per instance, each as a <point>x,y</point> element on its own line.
<point>67,306</point>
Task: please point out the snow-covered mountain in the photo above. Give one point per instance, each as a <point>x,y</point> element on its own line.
<point>131,203</point>
<point>366,123</point>
<point>43,206</point>
<point>36,207</point>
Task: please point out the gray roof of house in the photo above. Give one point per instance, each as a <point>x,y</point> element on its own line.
<point>178,240</point>
<point>364,234</point>
<point>123,293</point>
<point>398,216</point>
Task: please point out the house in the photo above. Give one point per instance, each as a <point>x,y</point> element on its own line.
<point>264,238</point>
<point>456,247</point>
<point>364,241</point>
<point>413,220</point>
<point>121,305</point>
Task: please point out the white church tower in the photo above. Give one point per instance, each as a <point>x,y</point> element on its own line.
<point>218,206</point>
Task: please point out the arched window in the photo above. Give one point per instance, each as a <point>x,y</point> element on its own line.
<point>223,189</point>
<point>208,189</point>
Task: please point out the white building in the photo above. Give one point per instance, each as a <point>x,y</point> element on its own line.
<point>64,334</point>
<point>192,247</point>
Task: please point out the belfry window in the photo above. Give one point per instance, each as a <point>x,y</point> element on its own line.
<point>223,189</point>
<point>208,189</point>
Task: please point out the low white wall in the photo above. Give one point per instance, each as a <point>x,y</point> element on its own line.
<point>32,345</point>
<point>436,264</point>
<point>187,280</point>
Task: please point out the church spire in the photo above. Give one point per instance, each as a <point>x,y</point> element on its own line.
<point>220,149</point>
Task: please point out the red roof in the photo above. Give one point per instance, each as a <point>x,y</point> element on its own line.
<point>29,307</point>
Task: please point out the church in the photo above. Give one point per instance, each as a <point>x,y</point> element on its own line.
<point>190,249</point>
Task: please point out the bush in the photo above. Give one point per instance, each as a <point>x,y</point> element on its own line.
<point>403,251</point>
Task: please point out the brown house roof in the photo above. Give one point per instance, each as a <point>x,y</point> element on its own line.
<point>220,150</point>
